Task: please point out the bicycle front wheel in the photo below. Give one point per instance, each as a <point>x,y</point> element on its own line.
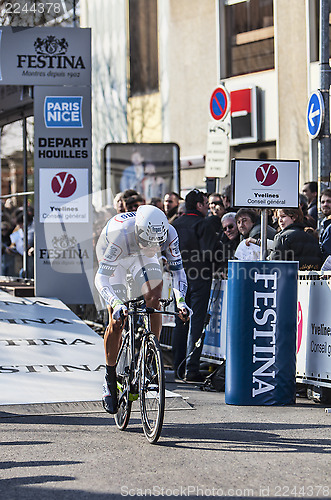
<point>122,416</point>
<point>152,389</point>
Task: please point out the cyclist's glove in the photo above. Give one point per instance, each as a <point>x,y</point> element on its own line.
<point>120,311</point>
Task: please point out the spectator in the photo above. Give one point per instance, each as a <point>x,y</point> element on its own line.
<point>294,243</point>
<point>133,203</point>
<point>181,208</point>
<point>129,192</point>
<point>216,212</point>
<point>226,197</point>
<point>216,206</point>
<point>310,191</point>
<point>231,236</point>
<point>8,257</point>
<point>157,202</point>
<point>180,211</point>
<point>119,204</point>
<point>198,245</point>
<point>325,228</point>
<point>17,242</point>
<point>307,219</point>
<point>249,225</point>
<point>171,202</point>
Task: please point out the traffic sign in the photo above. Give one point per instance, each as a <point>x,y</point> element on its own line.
<point>219,103</point>
<point>315,114</point>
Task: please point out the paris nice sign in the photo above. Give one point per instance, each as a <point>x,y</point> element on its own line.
<point>265,183</point>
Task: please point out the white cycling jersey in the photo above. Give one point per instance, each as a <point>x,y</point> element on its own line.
<point>118,253</point>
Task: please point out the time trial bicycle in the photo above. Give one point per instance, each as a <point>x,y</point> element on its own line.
<point>140,370</point>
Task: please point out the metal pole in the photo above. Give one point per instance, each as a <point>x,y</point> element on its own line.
<point>74,18</point>
<point>1,203</point>
<point>25,200</point>
<point>264,225</point>
<point>324,142</point>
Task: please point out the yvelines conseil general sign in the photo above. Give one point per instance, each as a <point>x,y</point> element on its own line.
<point>45,56</point>
<point>265,183</point>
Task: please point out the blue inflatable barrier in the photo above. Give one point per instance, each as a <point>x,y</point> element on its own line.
<point>261,333</point>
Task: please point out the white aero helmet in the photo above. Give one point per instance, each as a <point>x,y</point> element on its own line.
<point>151,227</point>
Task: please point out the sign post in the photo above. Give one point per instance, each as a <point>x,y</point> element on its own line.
<point>219,103</point>
<point>57,62</point>
<point>315,114</point>
<point>324,55</point>
<point>217,158</point>
<point>63,215</point>
<point>263,185</point>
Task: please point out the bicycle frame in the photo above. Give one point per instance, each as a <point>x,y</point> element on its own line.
<point>140,372</point>
<point>130,340</point>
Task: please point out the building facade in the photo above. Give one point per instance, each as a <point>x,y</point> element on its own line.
<point>157,62</point>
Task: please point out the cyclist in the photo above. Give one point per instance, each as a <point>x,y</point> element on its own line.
<point>130,243</point>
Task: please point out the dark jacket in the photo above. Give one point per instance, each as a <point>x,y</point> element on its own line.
<point>312,209</point>
<point>293,243</point>
<point>255,232</point>
<point>325,238</point>
<point>230,246</point>
<point>199,244</point>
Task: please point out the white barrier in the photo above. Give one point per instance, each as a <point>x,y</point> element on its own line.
<point>313,335</point>
<point>314,330</point>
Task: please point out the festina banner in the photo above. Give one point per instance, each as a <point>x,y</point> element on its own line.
<point>45,56</point>
<point>63,210</point>
<point>261,334</point>
<point>47,354</point>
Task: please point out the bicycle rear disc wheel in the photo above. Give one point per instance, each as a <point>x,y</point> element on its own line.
<point>152,389</point>
<point>122,416</point>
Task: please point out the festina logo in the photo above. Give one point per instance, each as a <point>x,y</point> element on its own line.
<point>50,54</point>
<point>50,368</point>
<point>70,253</point>
<point>264,349</point>
<point>29,321</point>
<point>25,342</point>
<point>64,247</point>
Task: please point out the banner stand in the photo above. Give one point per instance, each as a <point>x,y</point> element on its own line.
<point>261,333</point>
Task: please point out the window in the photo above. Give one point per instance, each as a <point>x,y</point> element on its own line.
<point>144,77</point>
<point>314,31</point>
<point>249,27</point>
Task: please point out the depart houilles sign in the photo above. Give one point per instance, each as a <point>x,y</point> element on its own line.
<point>57,63</point>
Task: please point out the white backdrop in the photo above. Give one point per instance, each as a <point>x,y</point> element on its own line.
<point>47,354</point>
